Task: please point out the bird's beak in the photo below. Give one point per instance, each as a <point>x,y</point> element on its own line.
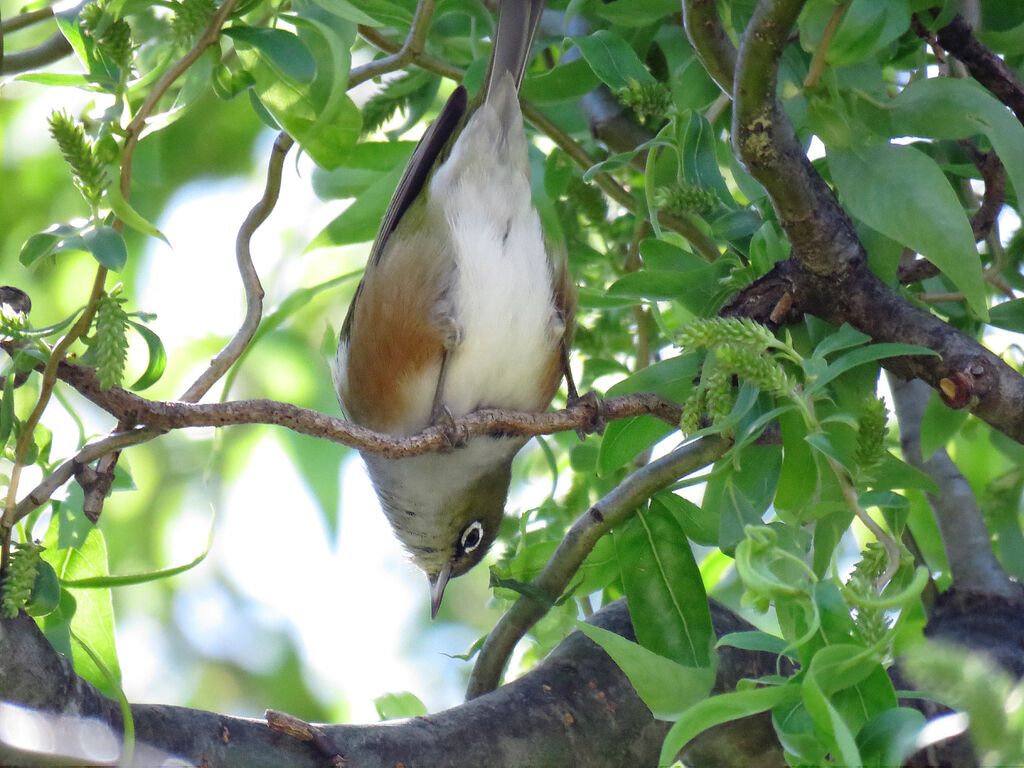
<point>438,582</point>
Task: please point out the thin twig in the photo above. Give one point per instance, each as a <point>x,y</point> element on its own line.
<point>166,415</point>
<point>612,510</point>
<point>408,52</point>
<point>818,62</point>
<point>134,130</point>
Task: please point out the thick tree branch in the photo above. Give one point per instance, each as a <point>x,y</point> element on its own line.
<point>575,708</point>
<point>553,579</point>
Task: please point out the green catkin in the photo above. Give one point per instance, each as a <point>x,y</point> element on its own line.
<point>110,341</point>
<point>20,578</point>
<point>650,101</point>
<point>89,174</point>
<point>685,198</point>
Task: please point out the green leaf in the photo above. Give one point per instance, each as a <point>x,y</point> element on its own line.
<point>124,211</point>
<point>45,592</point>
<point>107,247</point>
<point>844,337</point>
<point>360,221</point>
<point>900,191</point>
<point>612,59</point>
<point>698,156</point>
<point>6,411</point>
<point>624,440</point>
<point>636,13</point>
<point>282,50</point>
<point>863,355</point>
<point>664,588</point>
<point>1006,314</point>
<point>93,618</point>
<point>666,687</point>
<point>753,640</point>
<point>106,581</point>
<point>722,708</point>
<point>157,358</point>
<point>952,108</point>
<point>890,737</point>
<point>395,705</point>
<point>798,478</point>
<point>699,524</point>
<point>566,82</point>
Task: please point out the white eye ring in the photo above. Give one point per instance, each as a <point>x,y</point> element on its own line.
<point>469,541</point>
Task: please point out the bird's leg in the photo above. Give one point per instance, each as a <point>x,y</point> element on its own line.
<point>595,422</point>
<point>439,414</point>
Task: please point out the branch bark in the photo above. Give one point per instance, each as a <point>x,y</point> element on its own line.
<point>576,708</point>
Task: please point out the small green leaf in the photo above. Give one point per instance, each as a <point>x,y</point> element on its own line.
<point>624,440</point>
<point>612,59</point>
<point>566,82</point>
<point>722,708</point>
<point>6,411</point>
<point>360,221</point>
<point>124,211</point>
<point>1007,314</point>
<point>391,706</point>
<point>107,247</point>
<point>157,358</point>
<point>867,354</point>
<point>45,593</point>
<point>281,49</point>
<point>667,688</point>
<point>900,191</point>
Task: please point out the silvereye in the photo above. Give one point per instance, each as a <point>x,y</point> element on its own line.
<point>460,308</point>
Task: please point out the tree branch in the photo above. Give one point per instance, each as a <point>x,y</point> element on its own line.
<point>967,543</point>
<point>575,708</point>
<point>54,48</point>
<point>250,280</point>
<point>610,511</point>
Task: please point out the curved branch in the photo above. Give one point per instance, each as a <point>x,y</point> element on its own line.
<point>610,511</point>
<point>409,51</point>
<point>250,280</point>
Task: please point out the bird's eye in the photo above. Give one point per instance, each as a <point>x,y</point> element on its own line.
<point>472,536</point>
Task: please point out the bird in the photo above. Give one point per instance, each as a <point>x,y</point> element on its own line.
<point>463,305</point>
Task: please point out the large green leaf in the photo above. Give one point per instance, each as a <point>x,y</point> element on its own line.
<point>667,687</point>
<point>901,192</point>
<point>612,59</point>
<point>664,588</point>
<point>952,108</point>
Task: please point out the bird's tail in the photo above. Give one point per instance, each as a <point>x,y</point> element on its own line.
<point>513,37</point>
